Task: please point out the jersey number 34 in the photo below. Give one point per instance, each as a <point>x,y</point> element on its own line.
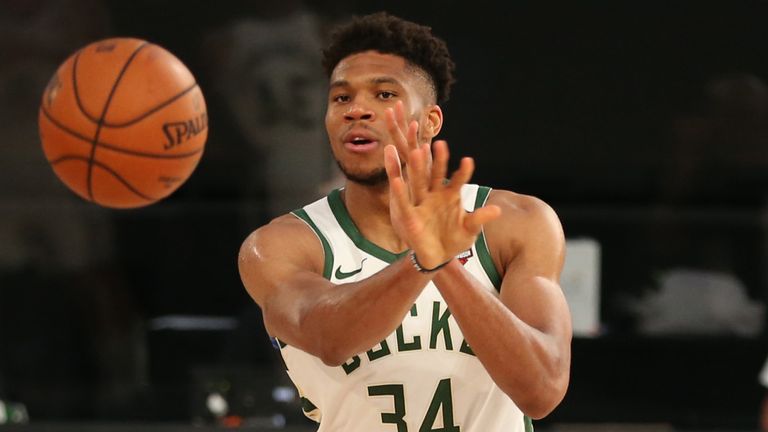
<point>441,399</point>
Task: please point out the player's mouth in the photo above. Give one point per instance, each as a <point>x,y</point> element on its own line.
<point>360,141</point>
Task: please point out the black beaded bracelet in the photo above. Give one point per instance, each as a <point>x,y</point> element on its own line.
<point>421,269</point>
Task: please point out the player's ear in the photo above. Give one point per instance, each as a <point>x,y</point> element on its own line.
<point>434,121</point>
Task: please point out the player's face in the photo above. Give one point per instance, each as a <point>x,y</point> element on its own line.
<point>362,87</point>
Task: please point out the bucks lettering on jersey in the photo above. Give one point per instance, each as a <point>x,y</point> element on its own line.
<point>422,377</point>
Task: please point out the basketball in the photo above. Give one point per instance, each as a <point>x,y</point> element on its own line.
<point>123,123</point>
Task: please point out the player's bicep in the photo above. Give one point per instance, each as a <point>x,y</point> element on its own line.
<point>532,266</point>
<point>540,303</point>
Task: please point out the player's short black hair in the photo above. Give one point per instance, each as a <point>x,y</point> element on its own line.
<point>389,34</point>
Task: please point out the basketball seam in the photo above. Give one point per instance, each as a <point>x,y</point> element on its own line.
<point>104,114</point>
<point>77,93</point>
<point>113,147</point>
<point>151,110</point>
<point>108,169</point>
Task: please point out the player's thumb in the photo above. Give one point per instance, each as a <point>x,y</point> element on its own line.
<point>475,220</point>
<point>392,162</point>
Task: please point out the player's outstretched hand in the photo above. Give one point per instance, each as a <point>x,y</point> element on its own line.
<point>426,211</point>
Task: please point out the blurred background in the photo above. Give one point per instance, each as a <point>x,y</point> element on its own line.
<point>644,124</point>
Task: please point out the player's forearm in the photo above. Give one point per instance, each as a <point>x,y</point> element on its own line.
<point>347,319</point>
<point>529,365</point>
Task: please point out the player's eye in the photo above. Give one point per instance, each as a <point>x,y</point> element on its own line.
<point>386,95</point>
<point>340,98</point>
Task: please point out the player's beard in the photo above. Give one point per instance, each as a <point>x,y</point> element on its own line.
<point>376,177</point>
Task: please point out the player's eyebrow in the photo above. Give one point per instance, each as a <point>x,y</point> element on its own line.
<point>385,80</point>
<point>374,80</point>
<point>339,83</point>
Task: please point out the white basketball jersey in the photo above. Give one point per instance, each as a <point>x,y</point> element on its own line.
<point>422,377</point>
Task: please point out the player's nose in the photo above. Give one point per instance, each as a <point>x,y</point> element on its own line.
<point>358,111</point>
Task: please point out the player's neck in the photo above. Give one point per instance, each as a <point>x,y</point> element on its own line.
<point>369,209</point>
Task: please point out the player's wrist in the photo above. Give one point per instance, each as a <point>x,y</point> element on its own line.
<point>422,268</point>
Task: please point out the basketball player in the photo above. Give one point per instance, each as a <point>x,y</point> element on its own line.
<point>406,301</point>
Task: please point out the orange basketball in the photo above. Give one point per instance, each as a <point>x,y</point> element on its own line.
<point>123,123</point>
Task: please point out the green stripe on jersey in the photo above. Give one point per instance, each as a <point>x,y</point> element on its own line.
<point>328,266</point>
<point>528,424</point>
<point>342,216</point>
<point>483,254</point>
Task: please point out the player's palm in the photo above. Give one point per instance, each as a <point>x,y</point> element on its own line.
<point>426,211</point>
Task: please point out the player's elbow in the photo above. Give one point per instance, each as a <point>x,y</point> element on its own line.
<point>332,356</point>
<point>328,351</point>
<point>542,400</point>
<point>324,343</point>
<point>538,409</point>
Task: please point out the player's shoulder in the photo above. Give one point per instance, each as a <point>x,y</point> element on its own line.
<point>274,252</point>
<point>520,206</point>
<point>522,215</point>
<point>286,233</point>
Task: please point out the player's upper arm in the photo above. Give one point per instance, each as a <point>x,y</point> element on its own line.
<point>528,247</point>
<point>281,267</point>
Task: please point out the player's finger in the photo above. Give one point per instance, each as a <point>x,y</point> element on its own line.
<point>398,190</point>
<point>392,162</point>
<point>418,176</point>
<point>396,131</point>
<point>413,135</point>
<point>411,128</point>
<point>439,164</point>
<point>426,148</point>
<point>462,175</point>
<point>474,221</point>
<point>400,117</point>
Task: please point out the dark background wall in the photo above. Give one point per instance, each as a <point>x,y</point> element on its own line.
<point>643,124</point>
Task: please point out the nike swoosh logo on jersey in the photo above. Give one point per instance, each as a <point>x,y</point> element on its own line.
<point>343,275</point>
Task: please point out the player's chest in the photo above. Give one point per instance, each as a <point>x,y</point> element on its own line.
<point>427,329</point>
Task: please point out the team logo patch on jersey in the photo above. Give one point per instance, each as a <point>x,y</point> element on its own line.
<point>465,256</point>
